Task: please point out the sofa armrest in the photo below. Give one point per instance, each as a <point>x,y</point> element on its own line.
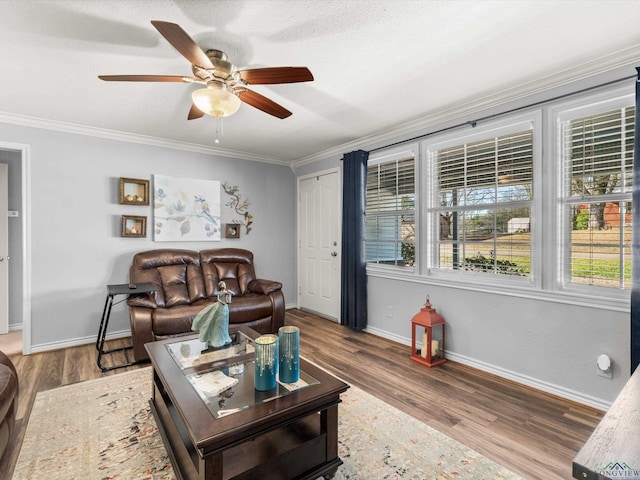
<point>147,300</point>
<point>264,287</point>
<point>277,318</point>
<point>141,330</point>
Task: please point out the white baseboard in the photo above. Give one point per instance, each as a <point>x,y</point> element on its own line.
<point>75,342</point>
<point>543,386</point>
<point>547,387</point>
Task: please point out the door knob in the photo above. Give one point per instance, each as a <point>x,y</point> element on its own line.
<point>334,254</point>
<point>1,259</point>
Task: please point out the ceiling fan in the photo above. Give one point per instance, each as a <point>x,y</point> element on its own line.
<point>225,85</point>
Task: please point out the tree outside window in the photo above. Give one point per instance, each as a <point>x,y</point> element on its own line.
<point>598,179</point>
<point>484,195</point>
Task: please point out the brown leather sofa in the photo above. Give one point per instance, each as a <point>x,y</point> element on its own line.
<point>8,401</point>
<point>187,281</point>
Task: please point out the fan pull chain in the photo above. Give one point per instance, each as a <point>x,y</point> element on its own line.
<point>219,129</point>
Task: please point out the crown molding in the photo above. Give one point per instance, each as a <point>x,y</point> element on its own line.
<point>582,72</point>
<point>34,122</point>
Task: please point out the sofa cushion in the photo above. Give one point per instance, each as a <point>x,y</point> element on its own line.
<point>182,272</point>
<point>234,266</point>
<point>174,285</point>
<point>236,276</point>
<point>177,319</point>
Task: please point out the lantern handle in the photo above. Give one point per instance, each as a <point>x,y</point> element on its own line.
<point>427,304</point>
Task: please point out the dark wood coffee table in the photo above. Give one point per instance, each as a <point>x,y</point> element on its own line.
<point>241,433</point>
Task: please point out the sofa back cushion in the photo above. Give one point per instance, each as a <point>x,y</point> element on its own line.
<point>175,273</point>
<point>234,266</point>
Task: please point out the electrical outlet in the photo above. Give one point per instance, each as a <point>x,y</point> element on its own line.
<point>606,374</point>
<point>605,366</point>
<point>389,311</point>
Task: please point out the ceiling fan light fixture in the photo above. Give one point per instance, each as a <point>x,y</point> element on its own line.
<point>216,101</point>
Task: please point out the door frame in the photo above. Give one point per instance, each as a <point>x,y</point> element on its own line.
<point>25,159</point>
<point>299,179</point>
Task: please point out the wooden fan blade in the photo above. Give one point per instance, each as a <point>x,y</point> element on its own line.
<point>181,41</point>
<point>142,78</point>
<point>263,103</point>
<point>194,113</point>
<point>264,76</point>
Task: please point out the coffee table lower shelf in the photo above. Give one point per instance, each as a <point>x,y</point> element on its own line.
<point>296,450</point>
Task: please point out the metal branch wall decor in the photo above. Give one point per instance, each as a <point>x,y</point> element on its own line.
<point>241,207</point>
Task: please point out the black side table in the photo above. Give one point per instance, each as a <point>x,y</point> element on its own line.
<point>112,291</point>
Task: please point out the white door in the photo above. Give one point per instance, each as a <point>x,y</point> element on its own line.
<point>319,244</point>
<point>4,248</point>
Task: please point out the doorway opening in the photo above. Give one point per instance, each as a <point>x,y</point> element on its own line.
<point>16,157</point>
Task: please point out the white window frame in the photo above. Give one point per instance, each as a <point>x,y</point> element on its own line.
<point>560,113</point>
<point>394,154</point>
<point>547,241</point>
<point>515,123</point>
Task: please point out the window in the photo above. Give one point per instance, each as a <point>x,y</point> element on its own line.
<point>483,196</point>
<point>390,211</point>
<point>597,159</point>
<point>538,202</point>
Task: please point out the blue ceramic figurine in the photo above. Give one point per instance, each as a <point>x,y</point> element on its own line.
<point>212,322</point>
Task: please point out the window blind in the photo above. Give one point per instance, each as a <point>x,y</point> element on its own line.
<point>484,171</point>
<point>599,153</point>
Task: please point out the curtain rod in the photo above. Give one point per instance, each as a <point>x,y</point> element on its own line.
<point>473,123</point>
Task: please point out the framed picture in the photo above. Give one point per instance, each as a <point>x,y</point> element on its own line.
<point>232,230</point>
<point>134,191</point>
<point>186,209</point>
<point>134,226</point>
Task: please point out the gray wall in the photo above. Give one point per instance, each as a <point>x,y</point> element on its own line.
<point>549,342</point>
<point>544,343</point>
<point>76,245</point>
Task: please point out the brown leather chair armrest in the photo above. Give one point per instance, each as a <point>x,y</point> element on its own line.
<point>264,287</point>
<point>147,300</point>
<point>5,360</point>
<point>8,392</point>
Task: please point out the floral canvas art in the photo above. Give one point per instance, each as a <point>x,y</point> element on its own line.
<point>186,209</point>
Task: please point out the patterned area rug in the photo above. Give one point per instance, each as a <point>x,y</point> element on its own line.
<point>103,430</point>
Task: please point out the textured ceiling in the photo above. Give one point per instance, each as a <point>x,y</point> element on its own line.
<point>377,64</point>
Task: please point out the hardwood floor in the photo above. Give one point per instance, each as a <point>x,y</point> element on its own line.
<point>529,432</point>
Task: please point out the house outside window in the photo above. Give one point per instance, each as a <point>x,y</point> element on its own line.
<point>481,202</point>
<point>597,181</point>
<point>390,210</point>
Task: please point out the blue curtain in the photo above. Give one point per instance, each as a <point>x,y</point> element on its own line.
<point>635,254</point>
<point>353,307</point>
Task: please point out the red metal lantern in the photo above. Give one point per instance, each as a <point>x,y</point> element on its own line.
<point>427,320</point>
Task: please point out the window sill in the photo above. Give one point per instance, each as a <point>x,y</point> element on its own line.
<point>619,303</point>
